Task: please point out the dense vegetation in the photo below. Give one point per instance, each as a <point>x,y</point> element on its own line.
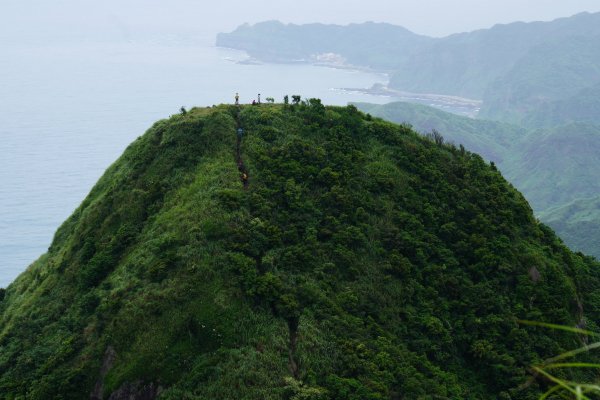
<point>362,261</point>
<point>552,167</point>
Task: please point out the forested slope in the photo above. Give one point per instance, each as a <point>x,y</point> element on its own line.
<point>361,261</point>
<point>553,167</point>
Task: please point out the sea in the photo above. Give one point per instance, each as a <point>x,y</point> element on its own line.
<point>68,110</point>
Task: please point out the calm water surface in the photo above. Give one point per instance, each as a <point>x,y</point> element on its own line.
<point>67,112</point>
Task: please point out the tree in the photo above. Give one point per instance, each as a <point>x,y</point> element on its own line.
<point>436,137</point>
<point>296,99</point>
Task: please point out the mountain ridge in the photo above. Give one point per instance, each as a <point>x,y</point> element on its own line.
<point>362,261</point>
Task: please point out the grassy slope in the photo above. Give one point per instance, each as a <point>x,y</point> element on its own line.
<point>402,265</point>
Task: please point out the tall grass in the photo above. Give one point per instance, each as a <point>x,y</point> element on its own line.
<point>561,388</point>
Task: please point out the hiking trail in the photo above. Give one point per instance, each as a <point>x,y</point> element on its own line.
<point>244,175</point>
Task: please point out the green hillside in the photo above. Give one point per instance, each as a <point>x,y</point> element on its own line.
<point>359,261</point>
<point>491,139</point>
<point>553,167</point>
<point>578,223</point>
<point>540,77</point>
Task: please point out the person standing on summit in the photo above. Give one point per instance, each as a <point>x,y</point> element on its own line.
<point>237,99</point>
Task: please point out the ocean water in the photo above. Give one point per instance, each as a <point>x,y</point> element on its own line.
<point>68,111</point>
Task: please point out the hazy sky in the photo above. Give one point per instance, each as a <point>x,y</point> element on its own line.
<point>430,17</point>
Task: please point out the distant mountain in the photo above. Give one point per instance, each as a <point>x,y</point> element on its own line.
<point>584,107</point>
<point>578,223</point>
<point>552,74</point>
<point>465,64</point>
<point>555,166</point>
<point>373,45</point>
<point>491,139</point>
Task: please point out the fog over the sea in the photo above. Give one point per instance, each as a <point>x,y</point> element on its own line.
<point>92,20</point>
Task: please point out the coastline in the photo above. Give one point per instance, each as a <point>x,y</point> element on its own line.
<point>454,104</point>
